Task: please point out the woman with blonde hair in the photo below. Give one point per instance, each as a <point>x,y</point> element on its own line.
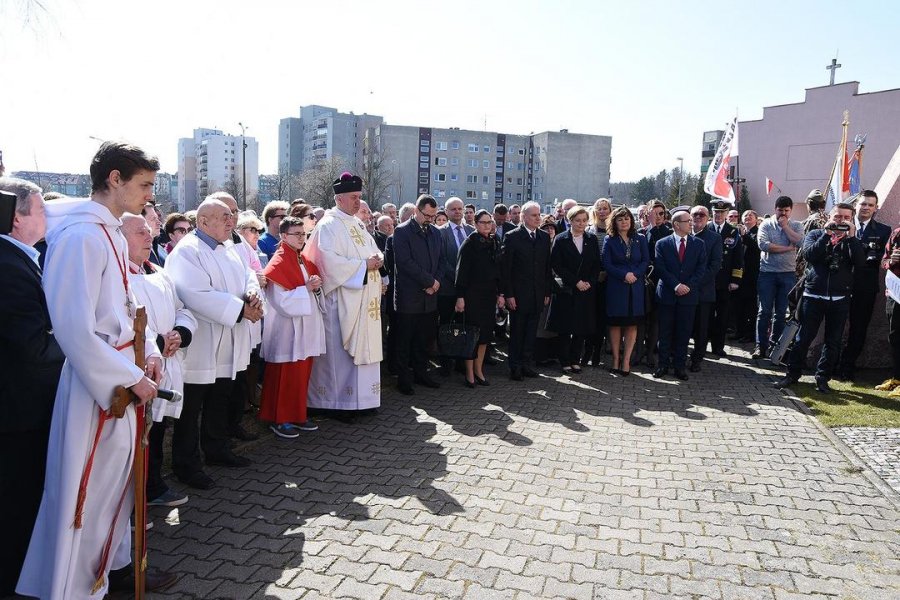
<point>626,259</point>
<point>593,344</point>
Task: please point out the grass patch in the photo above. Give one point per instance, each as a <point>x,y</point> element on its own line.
<point>855,404</point>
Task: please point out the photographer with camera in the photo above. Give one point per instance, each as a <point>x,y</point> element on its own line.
<point>866,282</point>
<point>833,255</point>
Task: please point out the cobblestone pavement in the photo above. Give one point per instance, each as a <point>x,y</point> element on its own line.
<point>587,487</point>
<point>878,447</point>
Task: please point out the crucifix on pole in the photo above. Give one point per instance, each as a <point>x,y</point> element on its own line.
<point>834,66</point>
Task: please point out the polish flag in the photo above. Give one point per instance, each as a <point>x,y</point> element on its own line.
<point>769,185</point>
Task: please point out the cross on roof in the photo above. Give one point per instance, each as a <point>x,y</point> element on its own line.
<point>834,66</point>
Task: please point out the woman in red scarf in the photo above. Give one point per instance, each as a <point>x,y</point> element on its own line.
<point>294,332</point>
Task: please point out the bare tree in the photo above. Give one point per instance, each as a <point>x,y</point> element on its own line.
<point>378,176</point>
<point>314,184</point>
<point>234,186</point>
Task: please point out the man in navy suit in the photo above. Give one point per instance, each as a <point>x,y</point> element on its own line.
<point>30,364</point>
<point>417,267</point>
<point>866,283</point>
<point>452,236</point>
<point>713,241</point>
<point>680,264</point>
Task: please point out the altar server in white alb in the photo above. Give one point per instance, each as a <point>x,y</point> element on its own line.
<point>79,537</point>
<point>172,327</point>
<point>348,376</point>
<point>223,295</point>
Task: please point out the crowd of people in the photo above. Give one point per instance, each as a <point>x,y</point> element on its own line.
<point>311,305</point>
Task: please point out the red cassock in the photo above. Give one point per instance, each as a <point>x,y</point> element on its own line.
<point>285,383</point>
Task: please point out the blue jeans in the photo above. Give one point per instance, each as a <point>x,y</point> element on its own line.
<point>814,311</point>
<point>772,289</point>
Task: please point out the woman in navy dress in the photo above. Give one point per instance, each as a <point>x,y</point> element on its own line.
<point>625,258</point>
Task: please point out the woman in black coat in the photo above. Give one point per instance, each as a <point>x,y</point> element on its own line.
<point>478,289</point>
<point>575,259</point>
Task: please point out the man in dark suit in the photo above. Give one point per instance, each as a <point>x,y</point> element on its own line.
<point>562,224</point>
<point>866,282</point>
<point>30,364</point>
<point>384,229</point>
<point>707,287</point>
<point>680,264</point>
<point>501,214</point>
<point>526,284</point>
<point>728,278</point>
<point>417,267</point>
<point>648,333</point>
<point>452,236</point>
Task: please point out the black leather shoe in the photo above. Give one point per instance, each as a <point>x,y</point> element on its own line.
<point>786,381</point>
<point>660,372</point>
<point>680,374</point>
<point>229,459</point>
<point>480,381</point>
<point>198,480</point>
<point>516,375</point>
<point>529,372</point>
<point>822,385</point>
<point>122,580</point>
<point>242,434</point>
<point>470,384</point>
<point>426,381</point>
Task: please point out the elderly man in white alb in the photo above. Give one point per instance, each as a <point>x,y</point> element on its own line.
<point>224,296</point>
<point>347,376</point>
<point>173,327</point>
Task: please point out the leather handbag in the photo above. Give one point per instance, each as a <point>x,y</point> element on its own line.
<point>458,340</point>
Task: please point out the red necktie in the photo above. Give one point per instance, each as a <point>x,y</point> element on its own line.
<point>681,250</point>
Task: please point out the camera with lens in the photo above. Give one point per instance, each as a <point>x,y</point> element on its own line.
<point>838,227</point>
<point>873,251</point>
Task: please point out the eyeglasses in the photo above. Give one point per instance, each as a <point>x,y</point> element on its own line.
<point>255,230</point>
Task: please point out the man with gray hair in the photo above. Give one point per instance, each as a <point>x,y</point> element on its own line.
<point>30,363</point>
<point>562,224</point>
<point>215,285</point>
<point>390,210</point>
<point>406,212</point>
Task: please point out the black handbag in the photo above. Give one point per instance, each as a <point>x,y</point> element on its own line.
<point>458,340</point>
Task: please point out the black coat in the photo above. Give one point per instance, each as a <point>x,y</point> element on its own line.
<point>526,268</point>
<point>30,358</point>
<point>573,311</point>
<point>732,269</point>
<point>478,282</point>
<point>751,260</point>
<point>417,265</point>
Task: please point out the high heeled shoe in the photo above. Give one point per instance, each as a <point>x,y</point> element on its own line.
<point>480,381</point>
<point>470,384</point>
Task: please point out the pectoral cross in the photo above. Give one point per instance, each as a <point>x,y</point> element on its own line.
<point>834,66</point>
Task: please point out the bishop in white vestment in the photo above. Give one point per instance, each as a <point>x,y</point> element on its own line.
<point>348,375</point>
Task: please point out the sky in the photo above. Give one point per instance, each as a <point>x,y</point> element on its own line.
<point>652,74</point>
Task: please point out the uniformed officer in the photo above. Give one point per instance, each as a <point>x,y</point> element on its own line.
<point>728,279</point>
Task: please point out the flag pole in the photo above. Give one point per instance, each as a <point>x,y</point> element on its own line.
<point>842,148</point>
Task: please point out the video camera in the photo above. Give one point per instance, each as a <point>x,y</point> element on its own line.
<point>840,227</point>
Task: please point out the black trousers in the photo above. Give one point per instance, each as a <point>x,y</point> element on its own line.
<point>446,311</point>
<point>412,336</point>
<point>893,314</point>
<point>861,304</point>
<point>570,348</point>
<point>240,393</point>
<point>523,326</point>
<point>675,324</point>
<point>701,329</point>
<point>203,423</point>
<point>156,486</point>
<point>745,308</point>
<point>812,312</point>
<point>718,320</point>
<point>23,462</point>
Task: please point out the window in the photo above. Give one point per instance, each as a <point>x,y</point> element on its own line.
<point>454,145</point>
<point>471,194</point>
<point>518,181</point>
<point>425,143</point>
<point>500,150</point>
<point>454,162</point>
<point>499,165</point>
<point>440,177</point>
<point>485,164</point>
<point>440,145</point>
<point>423,149</point>
<point>509,165</point>
<point>519,196</point>
<point>452,192</point>
<point>520,166</point>
<point>484,179</point>
<point>471,178</point>
<point>423,164</point>
<point>473,163</point>
<point>439,193</point>
<point>473,147</point>
<point>440,162</point>
<point>454,177</point>
<point>486,149</point>
<point>484,195</point>
<point>521,151</point>
<point>509,195</point>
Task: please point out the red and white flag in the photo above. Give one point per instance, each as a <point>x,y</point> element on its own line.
<point>769,185</point>
<point>716,183</point>
<point>839,183</point>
